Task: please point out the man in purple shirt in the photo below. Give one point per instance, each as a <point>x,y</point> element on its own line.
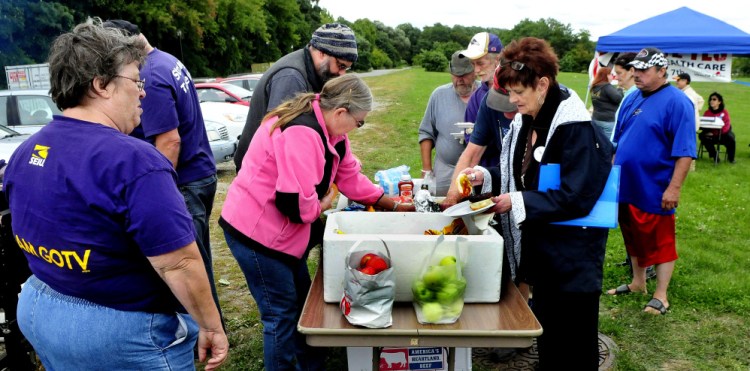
<point>173,122</point>
<point>484,51</point>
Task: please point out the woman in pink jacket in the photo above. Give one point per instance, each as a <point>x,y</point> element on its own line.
<point>710,137</point>
<point>271,213</point>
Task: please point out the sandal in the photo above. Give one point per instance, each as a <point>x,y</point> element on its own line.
<point>621,290</point>
<point>658,305</point>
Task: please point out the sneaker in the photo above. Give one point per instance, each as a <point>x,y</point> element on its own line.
<point>650,273</point>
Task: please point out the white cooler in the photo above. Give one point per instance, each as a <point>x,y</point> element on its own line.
<point>482,252</point>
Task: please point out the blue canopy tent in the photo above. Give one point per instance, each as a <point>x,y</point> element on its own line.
<point>682,30</point>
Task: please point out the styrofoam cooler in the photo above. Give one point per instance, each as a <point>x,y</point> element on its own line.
<point>482,252</point>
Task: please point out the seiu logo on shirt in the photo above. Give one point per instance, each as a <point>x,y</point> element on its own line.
<point>39,155</point>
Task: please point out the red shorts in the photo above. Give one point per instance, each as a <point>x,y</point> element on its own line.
<point>648,237</point>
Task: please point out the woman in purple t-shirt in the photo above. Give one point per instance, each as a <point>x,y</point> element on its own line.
<point>103,226</point>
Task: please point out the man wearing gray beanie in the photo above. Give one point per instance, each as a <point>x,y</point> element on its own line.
<point>330,53</point>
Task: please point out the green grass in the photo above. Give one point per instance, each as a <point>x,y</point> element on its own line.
<point>707,327</point>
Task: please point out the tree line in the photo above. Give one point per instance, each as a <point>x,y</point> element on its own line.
<point>223,37</point>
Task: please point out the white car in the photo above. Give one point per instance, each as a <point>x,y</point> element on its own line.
<point>222,145</point>
<point>26,111</point>
<point>9,141</point>
<point>233,116</point>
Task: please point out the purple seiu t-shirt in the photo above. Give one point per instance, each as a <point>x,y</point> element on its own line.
<point>172,102</point>
<point>89,204</point>
<point>472,107</point>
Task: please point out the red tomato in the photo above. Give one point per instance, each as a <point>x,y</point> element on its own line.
<point>365,259</point>
<point>378,264</point>
<point>368,270</point>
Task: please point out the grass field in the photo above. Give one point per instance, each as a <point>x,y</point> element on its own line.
<point>707,327</point>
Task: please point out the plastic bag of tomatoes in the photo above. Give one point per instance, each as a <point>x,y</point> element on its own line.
<point>369,286</point>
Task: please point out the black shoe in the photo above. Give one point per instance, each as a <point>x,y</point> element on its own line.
<point>650,273</point>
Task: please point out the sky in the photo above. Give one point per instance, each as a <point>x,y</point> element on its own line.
<point>579,14</point>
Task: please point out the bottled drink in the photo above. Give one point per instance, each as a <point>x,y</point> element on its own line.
<point>406,188</point>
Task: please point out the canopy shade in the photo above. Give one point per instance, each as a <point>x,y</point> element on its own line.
<point>682,30</point>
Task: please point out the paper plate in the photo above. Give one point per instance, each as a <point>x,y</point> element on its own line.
<point>463,209</point>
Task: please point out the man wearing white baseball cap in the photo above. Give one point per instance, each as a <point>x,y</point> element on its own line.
<point>484,51</point>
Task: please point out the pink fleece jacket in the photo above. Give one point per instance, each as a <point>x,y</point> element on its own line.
<point>290,161</point>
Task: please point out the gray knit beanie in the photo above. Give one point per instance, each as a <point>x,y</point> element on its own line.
<point>336,40</point>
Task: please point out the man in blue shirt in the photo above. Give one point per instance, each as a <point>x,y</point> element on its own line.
<point>655,132</point>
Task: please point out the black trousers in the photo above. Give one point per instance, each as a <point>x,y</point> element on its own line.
<point>727,140</point>
<point>570,323</point>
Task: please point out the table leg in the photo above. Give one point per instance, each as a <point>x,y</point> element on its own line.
<point>376,358</point>
<point>451,358</point>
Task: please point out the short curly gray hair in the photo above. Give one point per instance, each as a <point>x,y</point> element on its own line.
<point>89,51</point>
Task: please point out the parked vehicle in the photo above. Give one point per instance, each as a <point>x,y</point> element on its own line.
<point>231,115</point>
<point>223,92</point>
<point>26,111</point>
<point>247,81</point>
<point>221,145</point>
<point>9,141</point>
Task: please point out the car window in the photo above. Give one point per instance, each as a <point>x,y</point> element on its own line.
<point>36,109</point>
<point>235,82</point>
<point>212,95</point>
<point>4,111</point>
<point>251,84</point>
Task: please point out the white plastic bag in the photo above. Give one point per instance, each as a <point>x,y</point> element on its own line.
<point>368,299</point>
<point>440,286</point>
<point>389,178</point>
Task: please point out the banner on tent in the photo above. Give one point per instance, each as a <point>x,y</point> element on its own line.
<point>701,67</point>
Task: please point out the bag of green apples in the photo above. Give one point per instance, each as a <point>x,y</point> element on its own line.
<point>439,287</point>
<point>369,287</point>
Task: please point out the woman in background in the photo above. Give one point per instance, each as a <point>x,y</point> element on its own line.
<point>606,99</point>
<point>709,137</point>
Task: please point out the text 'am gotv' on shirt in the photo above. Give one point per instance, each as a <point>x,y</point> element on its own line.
<point>89,205</point>
<point>171,102</point>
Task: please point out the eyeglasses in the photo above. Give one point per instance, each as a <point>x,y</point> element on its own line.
<point>359,123</point>
<point>139,83</point>
<point>341,66</point>
<point>516,66</point>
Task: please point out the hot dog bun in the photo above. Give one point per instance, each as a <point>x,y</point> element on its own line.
<point>464,185</point>
<point>480,204</point>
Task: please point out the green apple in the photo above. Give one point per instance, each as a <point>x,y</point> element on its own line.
<point>449,293</point>
<point>421,293</point>
<point>435,277</point>
<point>448,260</point>
<point>432,312</point>
<point>454,309</point>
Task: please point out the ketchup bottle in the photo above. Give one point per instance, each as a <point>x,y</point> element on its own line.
<point>406,188</point>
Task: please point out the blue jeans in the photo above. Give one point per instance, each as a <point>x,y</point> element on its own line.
<point>69,333</point>
<point>199,198</point>
<point>279,291</point>
<point>605,126</point>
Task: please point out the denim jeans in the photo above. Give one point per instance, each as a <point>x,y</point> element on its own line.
<point>279,291</point>
<point>69,333</point>
<point>199,198</point>
<point>605,126</point>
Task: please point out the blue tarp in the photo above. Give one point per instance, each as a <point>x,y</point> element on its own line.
<point>680,31</point>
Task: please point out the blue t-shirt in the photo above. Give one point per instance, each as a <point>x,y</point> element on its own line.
<point>652,133</point>
<point>172,102</point>
<point>489,130</point>
<point>89,204</point>
<point>472,107</point>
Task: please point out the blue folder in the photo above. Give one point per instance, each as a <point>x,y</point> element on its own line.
<point>604,213</point>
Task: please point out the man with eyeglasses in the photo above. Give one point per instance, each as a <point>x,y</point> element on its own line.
<point>445,108</point>
<point>172,121</point>
<point>683,83</point>
<point>330,53</point>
